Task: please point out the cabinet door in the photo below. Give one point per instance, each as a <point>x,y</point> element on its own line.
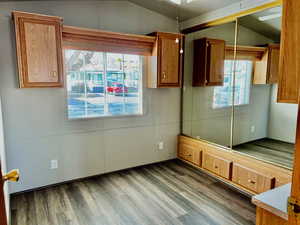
<point>251,179</point>
<point>169,61</point>
<point>289,63</point>
<point>215,62</point>
<point>274,53</point>
<point>217,165</point>
<point>39,50</point>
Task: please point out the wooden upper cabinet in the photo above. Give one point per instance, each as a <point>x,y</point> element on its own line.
<point>209,56</point>
<point>165,64</point>
<point>39,50</point>
<point>289,63</point>
<point>266,69</point>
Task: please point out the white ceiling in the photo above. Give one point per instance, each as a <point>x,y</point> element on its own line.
<point>185,10</point>
<point>270,28</point>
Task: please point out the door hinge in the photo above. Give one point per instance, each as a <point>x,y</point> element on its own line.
<point>294,208</point>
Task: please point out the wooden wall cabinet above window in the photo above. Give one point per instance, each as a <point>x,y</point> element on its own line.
<point>209,56</point>
<point>165,64</point>
<point>266,69</point>
<point>39,50</point>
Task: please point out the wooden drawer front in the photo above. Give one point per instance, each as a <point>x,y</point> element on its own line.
<point>251,179</point>
<point>219,166</point>
<point>190,153</point>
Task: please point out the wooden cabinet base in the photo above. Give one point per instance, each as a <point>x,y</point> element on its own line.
<point>242,172</point>
<point>264,217</point>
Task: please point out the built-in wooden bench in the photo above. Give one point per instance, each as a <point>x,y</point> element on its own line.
<point>241,171</point>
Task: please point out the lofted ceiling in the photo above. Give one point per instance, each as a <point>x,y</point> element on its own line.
<point>270,27</point>
<point>183,9</point>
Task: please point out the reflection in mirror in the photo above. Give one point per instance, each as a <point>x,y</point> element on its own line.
<point>207,92</point>
<point>263,128</point>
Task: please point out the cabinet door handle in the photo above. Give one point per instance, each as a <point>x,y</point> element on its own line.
<point>53,73</point>
<point>251,181</point>
<point>164,75</point>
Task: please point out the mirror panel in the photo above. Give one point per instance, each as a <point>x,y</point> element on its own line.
<point>207,91</point>
<point>262,128</point>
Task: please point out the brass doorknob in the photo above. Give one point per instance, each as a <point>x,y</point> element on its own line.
<point>12,175</point>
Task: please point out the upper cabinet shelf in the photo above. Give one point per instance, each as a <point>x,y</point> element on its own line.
<point>39,50</point>
<point>209,56</point>
<point>266,69</point>
<point>40,39</point>
<point>165,64</point>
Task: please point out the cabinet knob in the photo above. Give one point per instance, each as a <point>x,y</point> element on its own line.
<point>216,167</point>
<point>177,40</point>
<point>181,51</point>
<point>164,75</point>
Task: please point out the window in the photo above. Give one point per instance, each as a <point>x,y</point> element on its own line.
<point>103,84</point>
<point>223,95</point>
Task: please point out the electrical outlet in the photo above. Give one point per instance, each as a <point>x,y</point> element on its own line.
<point>160,145</point>
<point>53,164</point>
<point>252,129</point>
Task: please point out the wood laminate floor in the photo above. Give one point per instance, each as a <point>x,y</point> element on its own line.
<point>278,152</point>
<point>165,193</point>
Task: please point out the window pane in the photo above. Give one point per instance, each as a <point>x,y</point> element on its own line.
<point>131,83</point>
<point>223,95</point>
<point>85,71</point>
<point>103,84</point>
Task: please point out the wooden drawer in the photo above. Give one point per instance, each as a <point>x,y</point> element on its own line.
<point>190,153</point>
<point>217,165</point>
<point>252,179</point>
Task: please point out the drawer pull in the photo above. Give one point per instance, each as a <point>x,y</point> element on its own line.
<point>190,155</point>
<point>251,181</point>
<point>216,167</point>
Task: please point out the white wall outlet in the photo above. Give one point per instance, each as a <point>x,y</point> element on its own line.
<point>252,129</point>
<point>53,164</point>
<point>161,145</point>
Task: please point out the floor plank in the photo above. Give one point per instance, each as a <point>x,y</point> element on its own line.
<point>275,151</point>
<point>168,193</point>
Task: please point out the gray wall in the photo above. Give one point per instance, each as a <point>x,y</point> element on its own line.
<point>282,119</point>
<point>201,120</point>
<point>35,120</point>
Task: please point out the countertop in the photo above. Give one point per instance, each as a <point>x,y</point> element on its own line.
<point>274,201</point>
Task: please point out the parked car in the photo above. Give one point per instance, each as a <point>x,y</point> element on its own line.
<point>117,89</point>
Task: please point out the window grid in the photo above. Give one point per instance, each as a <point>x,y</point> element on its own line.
<point>128,99</point>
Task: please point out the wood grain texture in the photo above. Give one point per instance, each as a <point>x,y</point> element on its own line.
<point>217,165</point>
<point>39,50</point>
<point>264,217</point>
<point>252,179</point>
<point>282,175</point>
<point>169,53</point>
<point>209,56</point>
<point>289,63</point>
<point>93,39</point>
<point>266,69</point>
<point>165,66</point>
<point>245,52</point>
<point>165,193</point>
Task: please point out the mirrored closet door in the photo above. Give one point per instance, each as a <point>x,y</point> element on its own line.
<point>262,127</point>
<point>207,91</point>
<point>230,89</point>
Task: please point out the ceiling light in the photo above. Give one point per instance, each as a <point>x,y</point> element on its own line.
<point>269,17</point>
<point>181,2</point>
